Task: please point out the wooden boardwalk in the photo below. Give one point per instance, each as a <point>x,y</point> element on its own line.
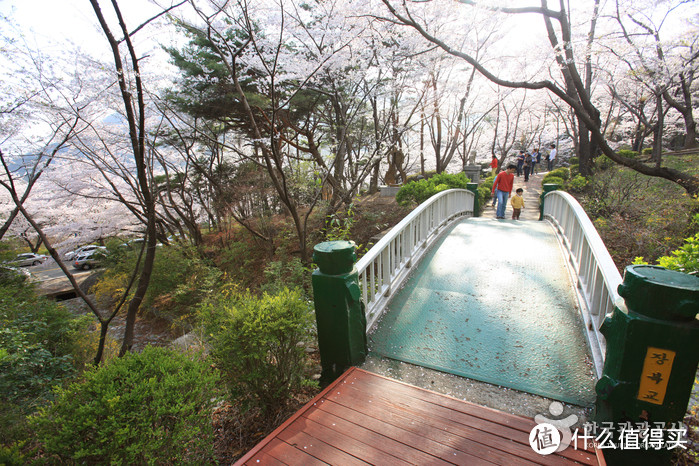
<point>364,418</point>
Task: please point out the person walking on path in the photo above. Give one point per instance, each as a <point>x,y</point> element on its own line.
<point>517,202</point>
<point>527,165</point>
<point>502,187</point>
<point>552,157</point>
<point>536,158</point>
<point>520,163</point>
<point>494,165</point>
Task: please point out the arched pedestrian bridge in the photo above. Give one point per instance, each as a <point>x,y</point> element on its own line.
<point>512,303</point>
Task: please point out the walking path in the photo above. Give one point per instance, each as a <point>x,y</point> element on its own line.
<point>532,191</point>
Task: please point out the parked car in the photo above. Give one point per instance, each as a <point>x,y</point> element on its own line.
<point>90,259</point>
<point>27,259</point>
<point>81,250</point>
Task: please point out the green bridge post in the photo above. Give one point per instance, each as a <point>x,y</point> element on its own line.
<point>652,355</point>
<point>473,187</point>
<point>340,314</point>
<point>547,189</point>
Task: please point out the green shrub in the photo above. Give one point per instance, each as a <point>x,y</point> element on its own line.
<point>574,170</point>
<point>604,163</point>
<point>179,280</point>
<point>553,180</point>
<point>685,259</point>
<point>647,151</point>
<point>574,161</point>
<point>152,407</point>
<point>38,339</point>
<point>255,341</point>
<point>562,172</point>
<point>418,192</point>
<point>577,184</point>
<point>631,154</point>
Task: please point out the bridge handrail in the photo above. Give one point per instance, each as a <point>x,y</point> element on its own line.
<point>386,265</point>
<point>597,275</point>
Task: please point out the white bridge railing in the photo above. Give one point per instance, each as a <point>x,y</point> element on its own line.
<point>386,265</point>
<point>597,276</point>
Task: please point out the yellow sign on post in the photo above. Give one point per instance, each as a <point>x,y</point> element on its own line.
<point>655,375</point>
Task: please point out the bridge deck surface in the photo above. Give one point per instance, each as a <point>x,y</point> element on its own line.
<point>493,301</point>
<point>364,418</point>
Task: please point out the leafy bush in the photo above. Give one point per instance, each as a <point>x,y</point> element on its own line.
<point>561,172</point>
<point>419,191</point>
<point>179,280</point>
<point>574,161</point>
<point>280,275</point>
<point>604,163</point>
<point>38,338</point>
<point>152,407</point>
<point>631,154</point>
<point>647,151</point>
<point>577,184</point>
<point>684,259</point>
<point>553,180</point>
<point>255,343</point>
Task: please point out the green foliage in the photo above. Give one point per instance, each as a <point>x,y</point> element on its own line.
<point>179,280</point>
<point>39,341</point>
<point>152,407</point>
<point>647,151</point>
<point>417,192</point>
<point>685,259</point>
<point>577,184</point>
<point>574,161</point>
<point>255,341</point>
<point>562,172</point>
<point>338,227</point>
<point>38,338</point>
<point>553,180</point>
<point>604,163</point>
<point>291,274</point>
<point>631,154</point>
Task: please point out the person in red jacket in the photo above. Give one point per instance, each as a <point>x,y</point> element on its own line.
<point>494,165</point>
<point>502,187</point>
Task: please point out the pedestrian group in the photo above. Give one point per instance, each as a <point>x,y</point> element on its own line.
<point>525,164</point>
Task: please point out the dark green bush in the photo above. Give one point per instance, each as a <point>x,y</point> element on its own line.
<point>574,161</point>
<point>632,154</point>
<point>553,180</point>
<point>152,407</point>
<point>604,163</point>
<point>256,342</point>
<point>577,184</point>
<point>38,338</point>
<point>562,172</point>
<point>418,192</point>
<point>647,151</point>
<point>179,281</point>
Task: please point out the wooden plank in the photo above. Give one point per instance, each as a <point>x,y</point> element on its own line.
<point>291,420</point>
<point>461,451</point>
<point>332,446</point>
<point>289,454</point>
<point>263,459</point>
<point>413,448</point>
<point>450,435</point>
<point>409,399</point>
<point>364,418</point>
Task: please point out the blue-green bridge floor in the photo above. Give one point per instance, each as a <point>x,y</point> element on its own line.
<point>493,301</point>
